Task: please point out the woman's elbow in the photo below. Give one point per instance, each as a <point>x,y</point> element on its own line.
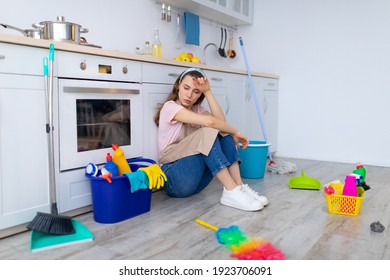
<point>210,121</point>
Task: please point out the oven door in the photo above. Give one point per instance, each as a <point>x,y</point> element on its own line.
<point>93,115</point>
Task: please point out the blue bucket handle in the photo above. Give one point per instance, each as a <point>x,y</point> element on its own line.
<point>135,160</point>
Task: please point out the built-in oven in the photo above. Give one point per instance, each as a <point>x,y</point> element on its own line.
<point>99,104</point>
<point>93,115</point>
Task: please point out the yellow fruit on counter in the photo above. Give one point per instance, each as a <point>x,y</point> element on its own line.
<point>187,57</point>
<point>195,59</point>
<point>183,56</point>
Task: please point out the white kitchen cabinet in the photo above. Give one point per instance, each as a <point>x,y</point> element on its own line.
<point>157,82</point>
<point>267,95</point>
<point>154,96</point>
<point>219,87</point>
<point>24,184</point>
<point>229,90</point>
<point>229,12</point>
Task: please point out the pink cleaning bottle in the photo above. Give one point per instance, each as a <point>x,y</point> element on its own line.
<point>350,188</point>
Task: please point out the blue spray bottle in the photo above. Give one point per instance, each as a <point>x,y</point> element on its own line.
<point>111,166</point>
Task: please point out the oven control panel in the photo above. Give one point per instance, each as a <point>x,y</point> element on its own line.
<point>84,66</point>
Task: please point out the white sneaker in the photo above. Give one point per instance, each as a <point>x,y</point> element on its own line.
<point>255,194</point>
<point>239,198</point>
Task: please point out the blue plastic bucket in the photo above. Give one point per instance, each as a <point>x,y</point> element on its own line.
<point>114,202</point>
<point>254,159</point>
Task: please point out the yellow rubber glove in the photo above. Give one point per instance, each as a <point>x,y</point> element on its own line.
<point>155,175</point>
<point>159,174</point>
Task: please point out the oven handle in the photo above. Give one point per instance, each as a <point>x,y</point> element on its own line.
<point>100,90</point>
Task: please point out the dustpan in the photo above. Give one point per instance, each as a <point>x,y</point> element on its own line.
<point>41,241</point>
<point>304,182</point>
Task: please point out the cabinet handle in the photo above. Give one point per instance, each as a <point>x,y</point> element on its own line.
<point>175,75</point>
<point>2,56</point>
<point>265,105</point>
<point>217,79</point>
<point>227,105</point>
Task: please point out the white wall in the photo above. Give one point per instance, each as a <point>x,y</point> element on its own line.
<point>331,56</point>
<point>334,63</point>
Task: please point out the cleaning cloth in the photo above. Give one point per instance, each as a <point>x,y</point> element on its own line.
<point>191,28</point>
<point>138,180</point>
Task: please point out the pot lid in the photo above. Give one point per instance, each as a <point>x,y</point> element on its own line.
<point>60,19</point>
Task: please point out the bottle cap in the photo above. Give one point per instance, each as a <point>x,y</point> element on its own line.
<point>108,157</point>
<point>91,169</point>
<point>359,165</point>
<point>114,147</point>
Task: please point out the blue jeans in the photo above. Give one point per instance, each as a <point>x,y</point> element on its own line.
<point>190,175</point>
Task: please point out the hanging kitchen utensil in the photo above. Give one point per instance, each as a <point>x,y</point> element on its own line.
<point>231,53</point>
<point>221,51</point>
<point>224,45</point>
<point>32,33</point>
<point>178,40</point>
<point>61,30</point>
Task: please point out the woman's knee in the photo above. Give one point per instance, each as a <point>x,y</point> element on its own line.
<point>180,190</point>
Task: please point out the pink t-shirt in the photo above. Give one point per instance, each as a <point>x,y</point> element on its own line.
<point>169,130</point>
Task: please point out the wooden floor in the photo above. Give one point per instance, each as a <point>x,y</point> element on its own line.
<point>295,221</point>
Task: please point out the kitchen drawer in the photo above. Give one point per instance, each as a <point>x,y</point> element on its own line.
<point>16,59</point>
<point>160,74</point>
<point>75,65</point>
<point>270,84</point>
<point>219,78</point>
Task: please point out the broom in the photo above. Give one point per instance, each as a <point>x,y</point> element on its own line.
<point>274,167</point>
<point>44,222</point>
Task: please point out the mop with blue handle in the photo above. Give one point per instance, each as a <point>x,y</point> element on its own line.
<point>274,167</point>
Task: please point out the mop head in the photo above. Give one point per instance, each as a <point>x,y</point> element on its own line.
<point>281,167</point>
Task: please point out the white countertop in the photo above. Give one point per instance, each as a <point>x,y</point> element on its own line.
<point>20,40</point>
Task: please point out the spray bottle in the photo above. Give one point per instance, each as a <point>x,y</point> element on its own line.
<point>120,160</point>
<point>111,166</point>
<point>360,170</point>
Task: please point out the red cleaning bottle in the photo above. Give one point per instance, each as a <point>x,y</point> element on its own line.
<point>120,160</point>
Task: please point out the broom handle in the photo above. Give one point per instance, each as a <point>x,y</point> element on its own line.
<point>203,223</point>
<point>255,96</point>
<point>53,194</point>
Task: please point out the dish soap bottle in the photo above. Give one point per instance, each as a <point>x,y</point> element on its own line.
<point>111,166</point>
<point>120,160</point>
<point>350,188</point>
<point>156,45</point>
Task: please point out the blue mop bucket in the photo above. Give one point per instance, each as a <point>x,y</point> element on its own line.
<point>254,159</point>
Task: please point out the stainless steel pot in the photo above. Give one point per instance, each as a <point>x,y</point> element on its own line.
<point>61,30</point>
<point>33,33</point>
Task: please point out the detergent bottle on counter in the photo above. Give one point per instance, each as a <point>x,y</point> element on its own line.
<point>350,188</point>
<point>111,166</point>
<point>120,160</point>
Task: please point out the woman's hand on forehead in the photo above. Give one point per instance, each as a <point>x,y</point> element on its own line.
<point>202,83</point>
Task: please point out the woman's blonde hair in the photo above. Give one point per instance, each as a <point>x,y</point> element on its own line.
<point>174,94</point>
